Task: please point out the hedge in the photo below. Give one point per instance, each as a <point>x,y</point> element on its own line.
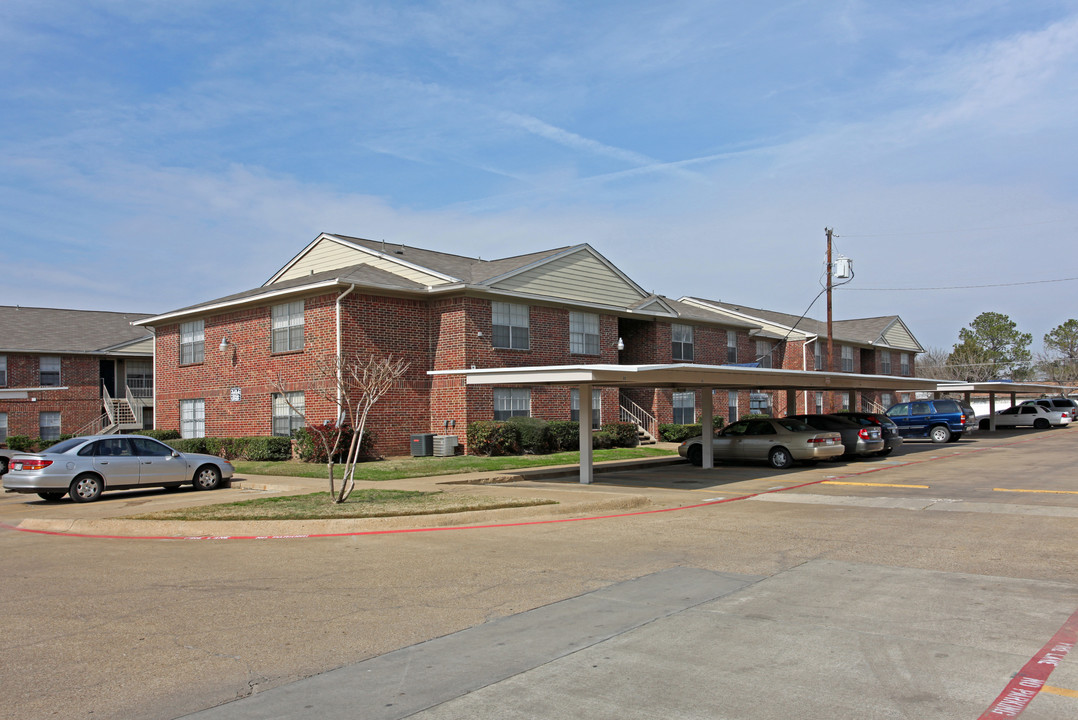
<point>310,448</point>
<point>27,444</point>
<point>674,432</point>
<point>625,433</point>
<point>534,434</point>
<point>258,448</point>
<point>566,435</point>
<point>493,437</point>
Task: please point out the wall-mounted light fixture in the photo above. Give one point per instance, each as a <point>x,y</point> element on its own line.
<point>621,344</point>
<point>224,344</point>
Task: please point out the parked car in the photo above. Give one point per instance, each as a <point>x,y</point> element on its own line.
<point>779,441</point>
<point>84,467</point>
<point>942,420</point>
<point>891,437</point>
<point>1031,415</point>
<point>1054,403</point>
<point>858,440</point>
<point>5,456</point>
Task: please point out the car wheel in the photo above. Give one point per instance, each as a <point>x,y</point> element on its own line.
<point>1041,424</point>
<point>940,434</point>
<point>207,478</point>
<point>780,458</point>
<point>86,488</point>
<point>695,454</point>
<point>51,496</point>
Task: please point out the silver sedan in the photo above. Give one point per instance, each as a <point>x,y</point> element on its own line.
<point>779,441</point>
<point>84,467</point>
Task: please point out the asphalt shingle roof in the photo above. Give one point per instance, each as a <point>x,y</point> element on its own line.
<point>864,331</point>
<point>29,329</point>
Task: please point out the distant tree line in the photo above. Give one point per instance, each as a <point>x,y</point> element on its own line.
<point>992,348</point>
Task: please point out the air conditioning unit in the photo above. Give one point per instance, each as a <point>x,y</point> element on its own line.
<point>445,445</point>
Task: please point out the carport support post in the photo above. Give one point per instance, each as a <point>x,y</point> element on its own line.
<point>584,391</point>
<point>707,430</point>
<point>991,411</point>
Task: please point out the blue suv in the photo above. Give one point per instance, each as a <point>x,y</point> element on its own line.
<point>940,420</point>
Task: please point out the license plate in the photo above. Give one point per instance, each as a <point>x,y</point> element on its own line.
<point>16,466</point>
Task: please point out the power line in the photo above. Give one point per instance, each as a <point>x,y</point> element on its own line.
<point>964,287</point>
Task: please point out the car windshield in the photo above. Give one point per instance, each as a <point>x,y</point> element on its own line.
<point>64,445</point>
<point>794,425</point>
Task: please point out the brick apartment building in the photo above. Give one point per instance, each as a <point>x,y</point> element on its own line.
<point>218,362</point>
<point>73,371</point>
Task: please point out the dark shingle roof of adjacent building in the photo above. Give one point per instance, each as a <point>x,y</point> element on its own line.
<point>28,329</point>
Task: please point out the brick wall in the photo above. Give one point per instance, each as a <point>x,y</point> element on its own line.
<point>78,405</point>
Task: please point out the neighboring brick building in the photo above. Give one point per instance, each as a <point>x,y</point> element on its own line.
<point>73,371</point>
<point>217,362</point>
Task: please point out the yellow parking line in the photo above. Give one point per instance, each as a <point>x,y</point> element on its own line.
<point>838,482</point>
<point>1054,492</point>
<point>1059,691</point>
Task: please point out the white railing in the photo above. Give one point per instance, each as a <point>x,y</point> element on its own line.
<point>631,412</point>
<point>94,427</point>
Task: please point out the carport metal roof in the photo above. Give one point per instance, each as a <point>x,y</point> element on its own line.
<point>680,376</point>
<point>994,387</point>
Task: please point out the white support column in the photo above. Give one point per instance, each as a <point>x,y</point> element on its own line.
<point>585,434</point>
<point>992,411</point>
<point>708,429</point>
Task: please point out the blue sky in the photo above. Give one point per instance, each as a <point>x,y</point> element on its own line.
<point>156,154</point>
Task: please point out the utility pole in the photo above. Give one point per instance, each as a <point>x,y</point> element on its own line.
<point>830,367</point>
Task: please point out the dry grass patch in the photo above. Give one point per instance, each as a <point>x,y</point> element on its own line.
<point>361,504</point>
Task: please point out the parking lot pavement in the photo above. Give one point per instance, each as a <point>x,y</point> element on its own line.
<point>853,596</point>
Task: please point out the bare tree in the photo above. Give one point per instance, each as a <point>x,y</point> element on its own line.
<point>352,385</point>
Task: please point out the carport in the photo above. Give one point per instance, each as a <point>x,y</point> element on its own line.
<point>997,387</point>
<point>682,376</point>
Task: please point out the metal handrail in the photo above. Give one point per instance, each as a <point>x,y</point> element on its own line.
<point>631,412</point>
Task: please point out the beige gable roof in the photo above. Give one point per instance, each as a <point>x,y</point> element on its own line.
<point>52,330</point>
<point>578,274</point>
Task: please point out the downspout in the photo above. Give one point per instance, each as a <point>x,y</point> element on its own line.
<point>804,366</point>
<point>340,350</point>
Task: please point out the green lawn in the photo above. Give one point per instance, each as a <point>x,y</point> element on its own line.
<point>404,467</point>
<point>361,504</point>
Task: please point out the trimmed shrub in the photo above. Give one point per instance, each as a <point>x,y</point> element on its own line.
<point>21,443</point>
<point>190,445</point>
<point>624,433</point>
<point>270,448</point>
<point>674,432</point>
<point>310,449</point>
<point>565,434</point>
<point>603,440</point>
<point>534,433</point>
<point>161,435</point>
<point>493,437</point>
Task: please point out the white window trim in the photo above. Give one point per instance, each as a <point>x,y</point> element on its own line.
<point>41,425</point>
<point>682,342</point>
<point>596,407</point>
<point>194,424</point>
<point>286,327</point>
<point>282,412</point>
<point>583,333</point>
<point>516,319</point>
<point>680,402</point>
<point>517,402</point>
<point>193,336</point>
<point>731,346</point>
<point>42,370</point>
<point>3,370</point>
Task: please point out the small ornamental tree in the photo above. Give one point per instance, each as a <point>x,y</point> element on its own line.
<point>353,385</point>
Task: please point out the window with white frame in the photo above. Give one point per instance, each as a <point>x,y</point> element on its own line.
<point>192,418</point>
<point>596,407</point>
<point>844,400</point>
<point>886,400</point>
<point>817,355</point>
<point>50,371</point>
<point>583,333</point>
<point>49,425</point>
<point>731,346</point>
<point>3,427</point>
<point>904,363</point>
<point>885,362</point>
<point>3,370</point>
<point>192,343</point>
<point>681,337</point>
<point>763,353</point>
<point>684,408</point>
<point>819,403</point>
<point>510,325</point>
<point>760,403</point>
<point>288,412</point>
<point>731,405</point>
<point>512,402</point>
<point>847,358</point>
<point>287,327</point>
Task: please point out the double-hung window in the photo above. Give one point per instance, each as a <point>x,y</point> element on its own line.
<point>817,354</point>
<point>731,346</point>
<point>763,353</point>
<point>3,370</point>
<point>510,325</point>
<point>192,418</point>
<point>288,411</point>
<point>49,425</point>
<point>512,402</point>
<point>583,333</point>
<point>50,371</point>
<point>904,363</point>
<point>731,405</point>
<point>192,343</point>
<point>885,362</point>
<point>596,407</point>
<point>3,427</point>
<point>287,330</point>
<point>682,341</point>
<point>847,358</point>
<point>684,408</point>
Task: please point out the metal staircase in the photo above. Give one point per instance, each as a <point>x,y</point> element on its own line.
<point>647,428</point>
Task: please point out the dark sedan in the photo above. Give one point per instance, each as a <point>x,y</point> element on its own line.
<point>891,437</point>
<point>858,440</point>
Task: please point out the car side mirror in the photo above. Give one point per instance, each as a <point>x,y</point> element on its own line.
<point>175,453</point>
